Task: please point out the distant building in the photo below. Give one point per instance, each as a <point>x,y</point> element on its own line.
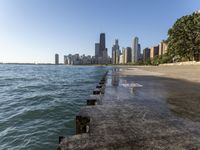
<point>65,60</point>
<point>123,53</point>
<point>128,57</point>
<point>69,59</point>
<point>135,47</point>
<point>113,55</point>
<point>139,54</point>
<point>102,44</point>
<point>121,59</point>
<point>163,48</point>
<point>139,51</point>
<point>56,59</point>
<point>93,60</point>
<point>79,60</point>
<point>97,46</point>
<point>115,52</point>
<point>146,54</point>
<point>154,52</point>
<point>101,52</point>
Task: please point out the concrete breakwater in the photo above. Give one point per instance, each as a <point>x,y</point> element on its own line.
<point>140,111</point>
<point>83,122</point>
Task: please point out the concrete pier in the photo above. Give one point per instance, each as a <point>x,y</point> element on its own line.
<point>137,112</point>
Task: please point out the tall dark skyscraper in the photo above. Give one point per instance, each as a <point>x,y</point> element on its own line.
<point>101,52</point>
<point>56,59</point>
<point>102,44</point>
<point>135,49</point>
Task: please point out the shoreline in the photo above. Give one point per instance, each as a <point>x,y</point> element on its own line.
<point>184,72</point>
<point>160,113</point>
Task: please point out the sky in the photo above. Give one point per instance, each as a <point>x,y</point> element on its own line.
<point>32,31</point>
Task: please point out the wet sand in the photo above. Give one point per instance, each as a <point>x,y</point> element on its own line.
<point>143,109</point>
<point>187,101</point>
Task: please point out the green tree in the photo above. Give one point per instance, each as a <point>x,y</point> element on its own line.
<point>184,38</point>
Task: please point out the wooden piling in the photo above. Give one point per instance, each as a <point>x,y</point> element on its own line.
<point>82,124</point>
<point>97,92</point>
<point>91,101</point>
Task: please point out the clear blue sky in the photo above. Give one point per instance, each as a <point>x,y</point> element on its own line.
<point>34,30</point>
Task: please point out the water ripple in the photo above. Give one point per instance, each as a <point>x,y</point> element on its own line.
<point>39,103</point>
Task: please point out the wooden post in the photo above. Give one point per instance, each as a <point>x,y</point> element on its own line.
<point>61,138</point>
<point>82,124</point>
<point>99,86</point>
<point>91,101</point>
<point>97,92</point>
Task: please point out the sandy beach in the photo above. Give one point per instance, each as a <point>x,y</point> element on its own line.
<point>186,72</point>
<point>187,103</point>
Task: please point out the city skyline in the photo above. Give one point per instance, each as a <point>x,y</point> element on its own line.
<point>33,31</point>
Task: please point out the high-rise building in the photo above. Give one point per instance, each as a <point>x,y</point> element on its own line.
<point>128,57</point>
<point>97,50</point>
<point>154,51</point>
<point>121,59</point>
<point>65,60</point>
<point>146,54</point>
<point>56,59</point>
<point>113,55</point>
<point>101,52</point>
<point>115,52</point>
<point>135,49</point>
<point>105,54</point>
<point>139,52</point>
<point>163,48</point>
<point>102,44</point>
<point>123,53</point>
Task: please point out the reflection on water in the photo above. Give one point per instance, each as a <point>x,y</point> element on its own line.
<point>178,96</point>
<point>115,77</point>
<point>118,80</point>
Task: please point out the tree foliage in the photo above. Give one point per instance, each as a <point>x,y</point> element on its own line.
<point>184,38</point>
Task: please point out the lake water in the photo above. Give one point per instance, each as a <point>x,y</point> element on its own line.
<point>39,102</point>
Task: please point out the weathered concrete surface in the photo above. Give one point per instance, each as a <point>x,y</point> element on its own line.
<point>150,116</point>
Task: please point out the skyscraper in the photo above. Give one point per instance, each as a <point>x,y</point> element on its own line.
<point>96,50</point>
<point>123,53</point>
<point>113,55</point>
<point>101,52</point>
<point>102,44</point>
<point>139,52</point>
<point>146,54</point>
<point>135,49</point>
<point>105,54</point>
<point>128,55</point>
<point>115,52</point>
<point>56,59</point>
